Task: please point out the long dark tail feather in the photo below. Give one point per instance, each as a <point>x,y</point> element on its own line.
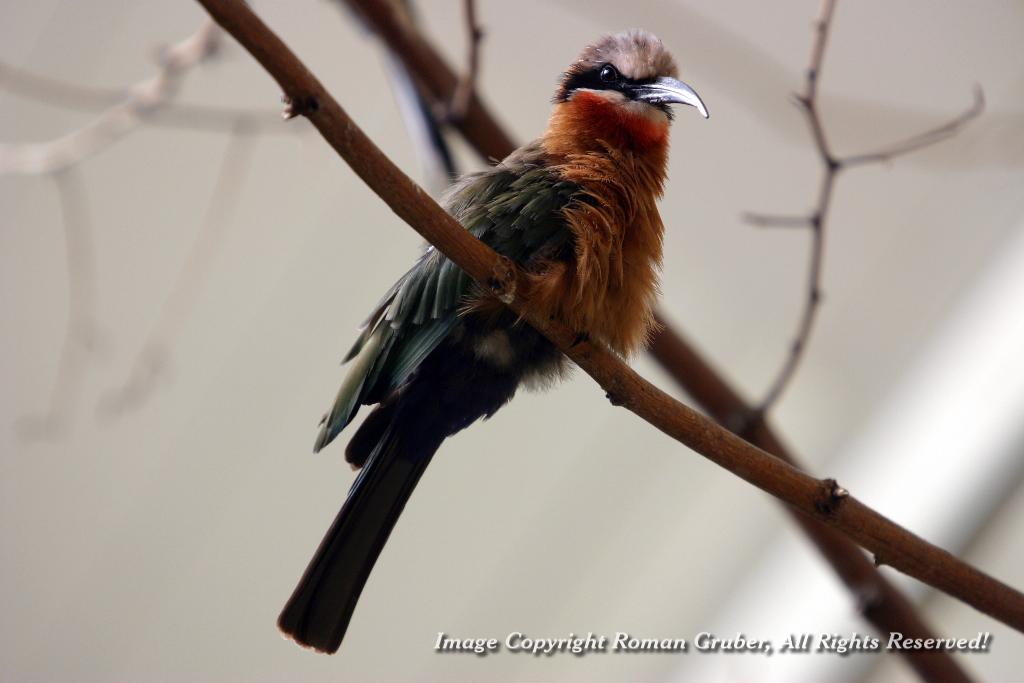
<point>321,606</point>
<point>371,433</point>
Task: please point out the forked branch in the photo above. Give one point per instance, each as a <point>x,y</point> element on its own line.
<point>816,220</point>
<point>116,121</point>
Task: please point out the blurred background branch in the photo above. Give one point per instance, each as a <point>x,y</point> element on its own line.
<point>149,102</point>
<point>165,111</point>
<point>82,337</point>
<point>151,361</point>
<point>115,122</point>
<point>467,84</point>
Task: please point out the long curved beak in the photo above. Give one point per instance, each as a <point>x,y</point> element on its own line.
<point>669,91</point>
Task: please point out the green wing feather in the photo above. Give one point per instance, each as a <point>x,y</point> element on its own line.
<point>516,209</point>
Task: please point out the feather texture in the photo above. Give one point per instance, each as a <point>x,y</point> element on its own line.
<point>516,208</point>
<point>609,287</point>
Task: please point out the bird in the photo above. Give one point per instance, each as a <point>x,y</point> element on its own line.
<point>576,210</point>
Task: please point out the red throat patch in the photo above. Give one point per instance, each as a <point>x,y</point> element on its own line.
<point>607,120</point>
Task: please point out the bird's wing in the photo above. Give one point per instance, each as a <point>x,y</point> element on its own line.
<point>516,209</point>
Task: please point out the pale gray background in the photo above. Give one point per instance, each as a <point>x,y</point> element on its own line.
<point>161,545</point>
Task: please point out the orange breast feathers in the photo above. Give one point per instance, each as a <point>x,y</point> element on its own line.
<point>618,158</point>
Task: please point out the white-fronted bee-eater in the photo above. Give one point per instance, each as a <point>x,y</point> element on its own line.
<point>577,210</point>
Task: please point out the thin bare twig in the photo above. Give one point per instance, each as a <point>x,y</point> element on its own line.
<point>823,500</point>
<point>171,114</point>
<point>467,85</point>
<point>832,165</point>
<point>117,121</point>
<point>808,101</point>
<point>921,140</point>
<point>770,221</point>
<point>151,361</point>
<point>81,334</point>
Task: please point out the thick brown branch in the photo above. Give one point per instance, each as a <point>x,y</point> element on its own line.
<point>879,601</point>
<point>821,500</point>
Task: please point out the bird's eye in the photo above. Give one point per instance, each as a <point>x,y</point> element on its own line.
<point>609,74</point>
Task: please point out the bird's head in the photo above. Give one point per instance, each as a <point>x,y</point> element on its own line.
<point>619,91</point>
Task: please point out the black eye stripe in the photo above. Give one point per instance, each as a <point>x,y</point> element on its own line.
<point>591,79</point>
